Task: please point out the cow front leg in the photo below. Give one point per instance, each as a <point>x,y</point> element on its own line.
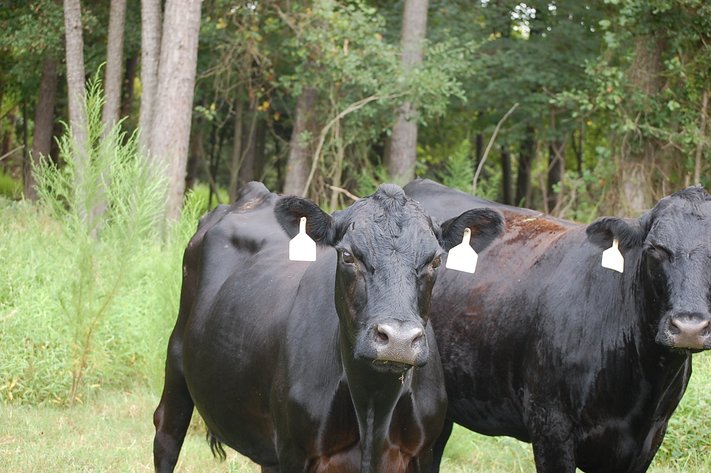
<point>553,444</point>
<point>440,444</point>
<point>171,419</point>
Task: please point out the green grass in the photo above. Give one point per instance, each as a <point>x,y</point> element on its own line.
<point>114,433</point>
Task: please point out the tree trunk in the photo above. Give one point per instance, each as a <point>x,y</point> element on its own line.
<point>402,158</point>
<point>698,164</point>
<point>505,176</point>
<point>44,123</point>
<point>150,56</point>
<point>298,163</point>
<point>114,64</point>
<point>249,171</point>
<point>197,153</point>
<point>556,166</point>
<point>526,155</point>
<point>170,136</point>
<point>75,85</point>
<point>236,162</point>
<point>644,75</point>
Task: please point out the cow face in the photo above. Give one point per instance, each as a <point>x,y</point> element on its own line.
<point>675,239</point>
<point>388,255</point>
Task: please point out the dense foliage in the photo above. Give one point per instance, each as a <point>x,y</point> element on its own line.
<point>613,95</point>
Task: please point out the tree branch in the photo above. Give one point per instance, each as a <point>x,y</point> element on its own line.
<point>488,146</point>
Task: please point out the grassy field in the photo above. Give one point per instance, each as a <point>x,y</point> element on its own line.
<point>84,323</point>
<point>114,432</point>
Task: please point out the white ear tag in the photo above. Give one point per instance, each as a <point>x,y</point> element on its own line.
<point>612,258</point>
<point>302,247</point>
<point>463,257</point>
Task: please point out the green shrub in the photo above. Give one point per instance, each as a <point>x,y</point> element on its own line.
<point>91,276</point>
<point>9,186</point>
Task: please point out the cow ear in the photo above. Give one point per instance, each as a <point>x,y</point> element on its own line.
<point>485,224</point>
<point>319,225</point>
<point>603,230</point>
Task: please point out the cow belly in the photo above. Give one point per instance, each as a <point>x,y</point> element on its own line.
<point>348,461</point>
<point>489,418</point>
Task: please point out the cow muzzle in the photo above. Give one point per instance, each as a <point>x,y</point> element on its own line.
<point>399,345</point>
<point>689,330</point>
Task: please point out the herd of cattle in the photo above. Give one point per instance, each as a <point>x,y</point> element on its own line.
<point>359,362</point>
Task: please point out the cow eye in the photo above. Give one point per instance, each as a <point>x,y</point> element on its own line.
<point>347,258</point>
<point>436,262</point>
<point>660,252</point>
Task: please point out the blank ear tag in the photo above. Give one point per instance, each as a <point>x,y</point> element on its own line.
<point>463,257</point>
<point>302,247</point>
<point>612,258</point>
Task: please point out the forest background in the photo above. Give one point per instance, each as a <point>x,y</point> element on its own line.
<point>111,111</point>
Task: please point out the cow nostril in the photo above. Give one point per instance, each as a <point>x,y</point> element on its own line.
<point>674,327</point>
<point>419,336</point>
<point>381,334</point>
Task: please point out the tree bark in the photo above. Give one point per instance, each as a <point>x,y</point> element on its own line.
<point>402,158</point>
<point>44,124</point>
<point>170,136</point>
<point>114,64</point>
<point>635,184</point>
<point>254,147</point>
<point>526,155</point>
<point>75,84</point>
<point>236,162</point>
<point>150,56</point>
<point>698,164</point>
<point>506,175</point>
<point>298,163</point>
<point>556,167</point>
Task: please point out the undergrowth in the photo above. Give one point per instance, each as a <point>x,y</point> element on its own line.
<point>91,273</point>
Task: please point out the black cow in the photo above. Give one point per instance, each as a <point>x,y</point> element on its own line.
<point>309,367</point>
<point>545,345</point>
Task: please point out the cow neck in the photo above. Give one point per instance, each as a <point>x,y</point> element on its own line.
<point>662,367</point>
<point>374,395</point>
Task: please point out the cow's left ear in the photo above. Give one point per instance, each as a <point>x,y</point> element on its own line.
<point>319,225</point>
<point>629,233</point>
<point>485,224</point>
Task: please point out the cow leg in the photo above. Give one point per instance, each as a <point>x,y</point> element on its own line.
<point>171,419</point>
<point>438,448</point>
<point>553,445</point>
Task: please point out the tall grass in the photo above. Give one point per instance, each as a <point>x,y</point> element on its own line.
<point>91,281</point>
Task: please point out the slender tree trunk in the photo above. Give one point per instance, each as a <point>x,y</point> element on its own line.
<point>170,136</point>
<point>44,123</point>
<point>236,162</point>
<point>298,163</point>
<point>260,143</point>
<point>556,167</point>
<point>526,155</point>
<point>402,158</point>
<point>75,84</point>
<point>698,165</point>
<point>506,175</point>
<point>114,64</point>
<point>150,56</point>
<point>197,153</point>
<point>249,153</point>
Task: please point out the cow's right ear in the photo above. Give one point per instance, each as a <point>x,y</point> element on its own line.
<point>603,231</point>
<point>485,224</point>
<point>319,225</point>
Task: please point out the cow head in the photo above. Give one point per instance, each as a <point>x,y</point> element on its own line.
<point>675,243</point>
<point>388,256</point>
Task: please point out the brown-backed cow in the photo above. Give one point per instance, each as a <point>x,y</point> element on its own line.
<point>545,345</point>
<point>328,366</point>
